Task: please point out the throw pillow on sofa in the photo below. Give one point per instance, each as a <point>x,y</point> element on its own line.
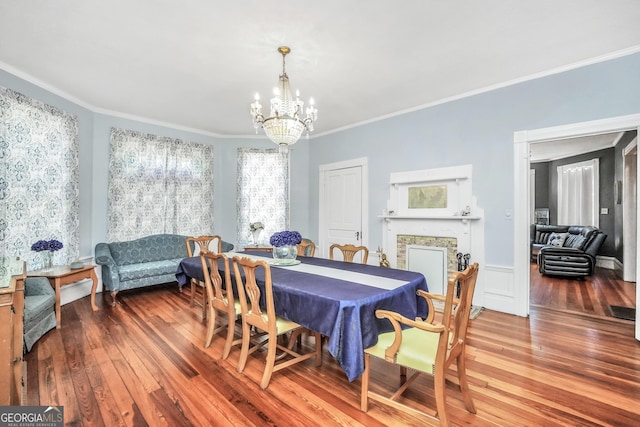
<point>557,239</point>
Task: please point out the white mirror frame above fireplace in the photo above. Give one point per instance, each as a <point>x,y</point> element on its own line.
<point>458,226</point>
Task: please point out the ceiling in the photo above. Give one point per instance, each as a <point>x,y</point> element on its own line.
<point>569,147</point>
<point>196,65</point>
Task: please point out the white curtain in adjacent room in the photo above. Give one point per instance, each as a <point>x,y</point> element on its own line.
<point>578,193</point>
<point>158,185</point>
<point>39,179</point>
<point>263,192</point>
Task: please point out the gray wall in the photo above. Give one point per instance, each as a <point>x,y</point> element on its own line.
<point>542,187</point>
<point>607,169</point>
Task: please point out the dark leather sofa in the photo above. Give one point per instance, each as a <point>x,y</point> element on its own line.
<point>576,257</point>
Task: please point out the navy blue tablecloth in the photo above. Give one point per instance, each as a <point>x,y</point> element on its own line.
<point>342,310</point>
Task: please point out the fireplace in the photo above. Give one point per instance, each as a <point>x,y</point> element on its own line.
<point>419,237</point>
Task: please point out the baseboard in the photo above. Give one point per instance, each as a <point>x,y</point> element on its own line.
<point>77,290</point>
<point>608,262</point>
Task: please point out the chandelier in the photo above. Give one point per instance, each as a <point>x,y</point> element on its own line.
<point>286,123</point>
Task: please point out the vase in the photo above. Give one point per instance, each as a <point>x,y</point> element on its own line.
<point>256,236</point>
<point>47,260</point>
<point>286,252</point>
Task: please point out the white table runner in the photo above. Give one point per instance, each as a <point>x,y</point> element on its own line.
<point>350,276</point>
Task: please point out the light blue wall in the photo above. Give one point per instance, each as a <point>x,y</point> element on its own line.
<point>225,167</point>
<point>94,132</point>
<point>478,130</point>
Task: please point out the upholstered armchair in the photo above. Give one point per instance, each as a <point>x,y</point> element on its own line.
<point>39,310</point>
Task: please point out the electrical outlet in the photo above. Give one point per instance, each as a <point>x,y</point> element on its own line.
<point>604,211</point>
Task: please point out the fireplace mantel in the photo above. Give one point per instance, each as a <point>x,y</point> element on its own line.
<point>452,217</point>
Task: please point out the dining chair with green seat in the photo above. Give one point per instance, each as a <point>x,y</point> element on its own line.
<point>349,252</point>
<point>427,346</point>
<point>195,246</point>
<point>219,299</point>
<point>306,247</point>
<point>253,316</point>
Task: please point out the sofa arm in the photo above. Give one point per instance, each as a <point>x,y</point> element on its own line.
<point>34,286</point>
<point>110,277</point>
<point>560,250</point>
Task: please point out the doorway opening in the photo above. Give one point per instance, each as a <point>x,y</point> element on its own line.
<point>524,140</point>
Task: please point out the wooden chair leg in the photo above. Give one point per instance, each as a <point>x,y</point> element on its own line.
<point>439,390</point>
<point>231,329</point>
<point>271,360</point>
<point>464,384</point>
<point>319,341</point>
<point>364,391</point>
<point>211,325</point>
<point>244,350</point>
<point>205,301</point>
<point>193,292</point>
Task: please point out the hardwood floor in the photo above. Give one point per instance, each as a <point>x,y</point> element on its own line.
<point>142,363</point>
<point>591,295</point>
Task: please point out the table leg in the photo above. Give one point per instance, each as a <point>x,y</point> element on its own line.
<point>94,307</point>
<point>57,286</point>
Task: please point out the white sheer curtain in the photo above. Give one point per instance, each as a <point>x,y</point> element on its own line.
<point>262,192</point>
<point>578,193</point>
<point>39,197</point>
<point>158,185</point>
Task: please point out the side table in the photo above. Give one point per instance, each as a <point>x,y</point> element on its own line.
<point>63,275</point>
<point>263,248</point>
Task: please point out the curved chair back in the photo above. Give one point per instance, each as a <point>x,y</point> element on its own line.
<point>219,297</point>
<point>252,315</point>
<point>306,248</point>
<point>349,252</point>
<point>203,244</point>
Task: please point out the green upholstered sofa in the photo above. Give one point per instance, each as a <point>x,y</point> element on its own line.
<point>150,260</point>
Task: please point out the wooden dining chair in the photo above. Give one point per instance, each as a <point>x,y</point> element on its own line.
<point>427,346</point>
<point>220,299</point>
<point>349,252</point>
<point>195,246</point>
<point>267,321</point>
<point>306,248</point>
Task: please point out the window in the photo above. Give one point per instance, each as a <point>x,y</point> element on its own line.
<point>263,192</point>
<point>38,178</point>
<point>578,193</point>
<point>158,185</point>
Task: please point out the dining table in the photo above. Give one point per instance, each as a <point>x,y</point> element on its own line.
<point>335,298</point>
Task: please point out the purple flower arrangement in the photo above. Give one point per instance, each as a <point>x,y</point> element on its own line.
<point>47,245</point>
<point>285,238</point>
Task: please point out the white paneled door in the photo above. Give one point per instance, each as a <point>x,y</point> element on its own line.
<point>341,206</point>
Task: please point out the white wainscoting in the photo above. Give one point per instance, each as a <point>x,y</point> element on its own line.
<point>499,289</point>
<point>77,290</point>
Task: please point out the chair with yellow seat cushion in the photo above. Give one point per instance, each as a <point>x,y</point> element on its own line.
<point>349,252</point>
<point>427,346</point>
<point>219,299</point>
<point>267,321</point>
